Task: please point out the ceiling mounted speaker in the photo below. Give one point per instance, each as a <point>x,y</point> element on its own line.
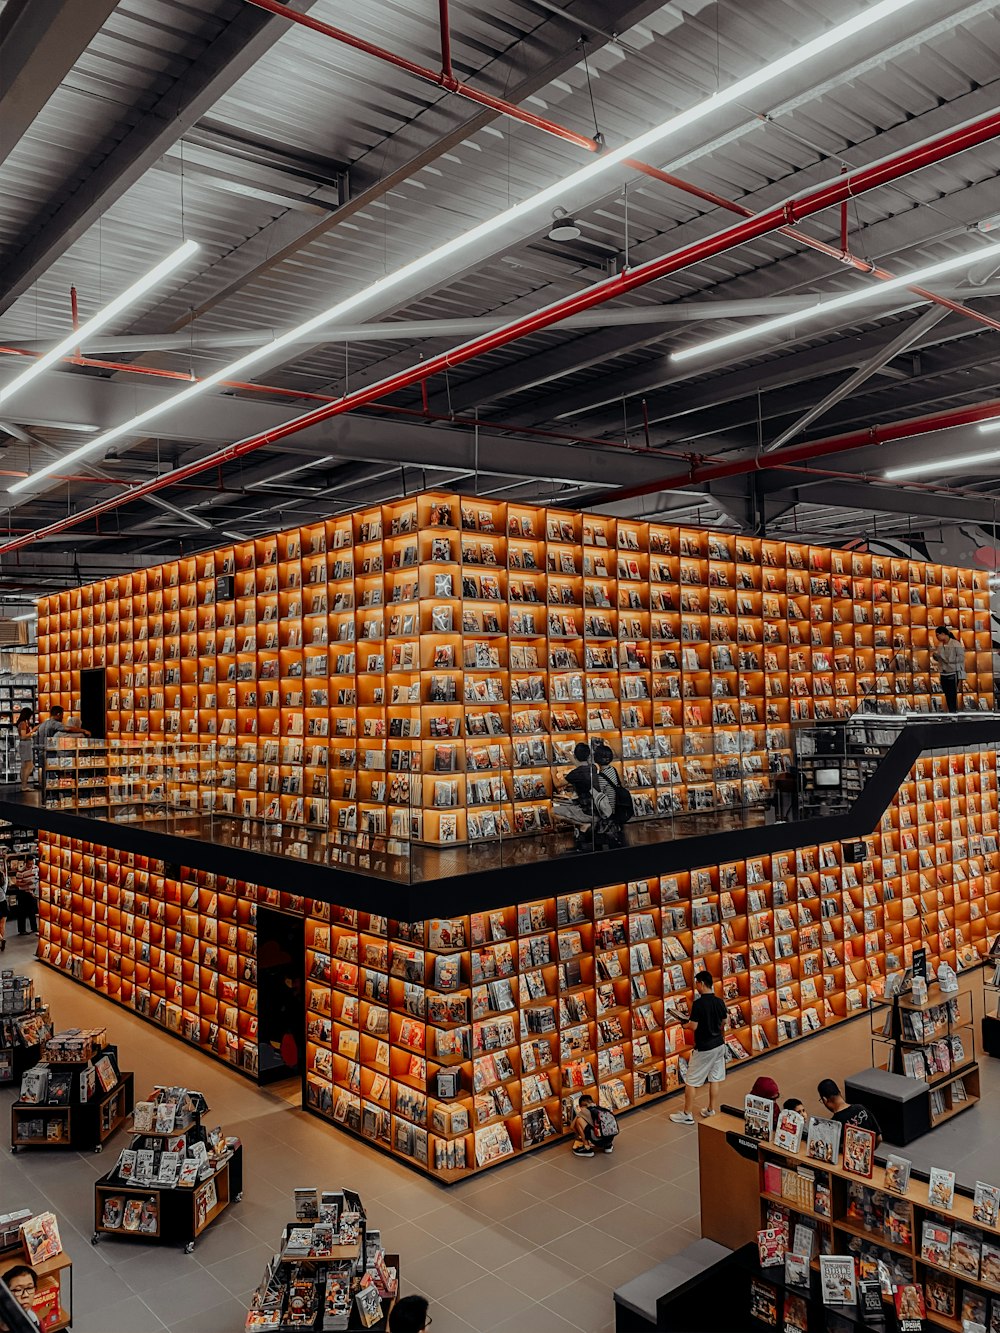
<point>563,228</point>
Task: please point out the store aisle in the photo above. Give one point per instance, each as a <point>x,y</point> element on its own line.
<point>539,1244</point>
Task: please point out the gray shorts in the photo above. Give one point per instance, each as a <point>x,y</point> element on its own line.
<point>706,1067</point>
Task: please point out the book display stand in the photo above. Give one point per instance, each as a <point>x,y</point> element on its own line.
<point>24,1025</point>
<point>53,1302</point>
<point>422,669</point>
<point>76,1097</point>
<point>457,1043</point>
<point>932,1040</point>
<point>330,1273</point>
<point>887,1228</point>
<point>174,1179</point>
<point>17,690</point>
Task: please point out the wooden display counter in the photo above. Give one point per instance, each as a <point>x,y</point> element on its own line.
<point>53,1304</point>
<point>729,1180</point>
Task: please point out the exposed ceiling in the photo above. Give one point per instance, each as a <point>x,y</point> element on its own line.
<point>307,170</point>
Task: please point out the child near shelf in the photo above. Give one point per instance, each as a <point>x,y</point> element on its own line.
<point>587,1138</point>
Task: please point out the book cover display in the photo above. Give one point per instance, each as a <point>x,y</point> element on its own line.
<point>451,626</point>
<point>331,1270</point>
<point>396,1027</point>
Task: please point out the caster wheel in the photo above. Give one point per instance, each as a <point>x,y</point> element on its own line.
<point>238,1197</point>
<point>94,1238</point>
<point>99,1148</point>
<point>189,1247</point>
<point>13,1150</point>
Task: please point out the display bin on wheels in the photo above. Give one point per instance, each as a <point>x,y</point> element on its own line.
<point>182,1213</point>
<point>84,1126</point>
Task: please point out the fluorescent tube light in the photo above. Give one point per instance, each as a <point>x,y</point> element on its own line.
<point>825,305</point>
<point>987,426</point>
<point>30,615</point>
<point>105,316</point>
<point>949,464</point>
<point>870,15</point>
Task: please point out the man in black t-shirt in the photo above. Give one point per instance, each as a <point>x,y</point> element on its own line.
<point>853,1114</point>
<point>707,1062</point>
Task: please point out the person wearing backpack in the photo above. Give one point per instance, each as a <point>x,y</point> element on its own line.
<point>4,904</point>
<point>624,808</point>
<point>595,1128</point>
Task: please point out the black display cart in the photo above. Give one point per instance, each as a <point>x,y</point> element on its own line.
<point>156,1211</point>
<point>83,1119</point>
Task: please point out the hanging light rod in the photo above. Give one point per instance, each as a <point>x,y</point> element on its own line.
<point>826,305</point>
<point>947,464</point>
<point>74,339</point>
<point>550,195</point>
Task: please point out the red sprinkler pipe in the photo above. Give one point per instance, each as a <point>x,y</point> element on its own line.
<point>801,453</point>
<point>442,78</point>
<point>446,68</point>
<point>842,256</point>
<point>936,149</point>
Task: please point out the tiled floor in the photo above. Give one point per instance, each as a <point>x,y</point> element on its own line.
<point>539,1244</point>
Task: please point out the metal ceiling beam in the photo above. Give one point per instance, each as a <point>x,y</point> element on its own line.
<point>68,216</point>
<point>678,312</point>
<point>426,138</point>
<point>883,498</point>
<point>38,48</point>
<point>51,453</point>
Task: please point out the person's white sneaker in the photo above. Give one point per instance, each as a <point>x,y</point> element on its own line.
<point>707,1111</point>
<point>682,1118</point>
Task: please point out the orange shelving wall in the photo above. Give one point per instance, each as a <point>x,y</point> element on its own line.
<point>534,1002</point>
<point>425,667</point>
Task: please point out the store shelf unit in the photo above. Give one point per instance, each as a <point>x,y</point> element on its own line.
<point>165,1208</point>
<point>24,1025</point>
<point>524,1007</point>
<point>958,1272</point>
<point>180,952</point>
<point>483,639</point>
<point>71,1103</point>
<point>17,690</point>
<point>931,1040</point>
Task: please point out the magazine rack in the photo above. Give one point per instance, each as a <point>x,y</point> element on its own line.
<point>932,1040</point>
<point>24,1025</point>
<point>314,1280</point>
<point>158,1211</point>
<point>85,1120</point>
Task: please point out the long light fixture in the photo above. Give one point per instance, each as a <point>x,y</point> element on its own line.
<point>826,305</point>
<point>948,464</point>
<point>104,316</point>
<point>987,426</point>
<point>870,15</point>
<point>31,615</point>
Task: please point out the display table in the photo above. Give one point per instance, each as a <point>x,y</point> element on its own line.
<point>84,1126</point>
<point>181,1214</point>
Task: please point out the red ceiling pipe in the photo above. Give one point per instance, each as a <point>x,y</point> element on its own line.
<point>799,453</point>
<point>442,78</point>
<point>936,149</point>
<point>446,68</point>
<point>842,256</point>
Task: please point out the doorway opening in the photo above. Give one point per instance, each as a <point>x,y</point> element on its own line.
<point>281,1005</point>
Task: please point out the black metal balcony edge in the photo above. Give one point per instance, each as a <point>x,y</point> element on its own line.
<point>483,890</point>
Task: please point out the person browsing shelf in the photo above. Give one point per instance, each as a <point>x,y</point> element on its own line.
<point>26,745</point>
<point>949,658</point>
<point>409,1315</point>
<point>4,902</point>
<point>853,1114</point>
<point>587,1138</point>
<point>794,1104</point>
<point>54,725</point>
<point>624,809</point>
<point>766,1087</point>
<point>708,1059</point>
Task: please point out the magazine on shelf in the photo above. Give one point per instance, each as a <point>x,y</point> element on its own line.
<point>941,1188</point>
<point>897,1173</point>
<point>838,1285</point>
<point>823,1140</point>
